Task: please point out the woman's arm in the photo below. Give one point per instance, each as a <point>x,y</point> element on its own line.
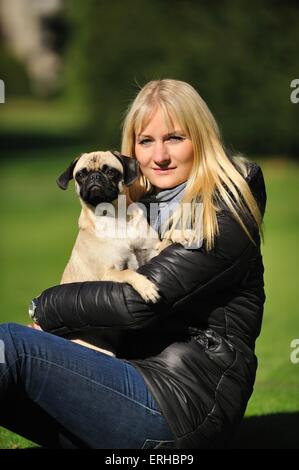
<point>179,273</point>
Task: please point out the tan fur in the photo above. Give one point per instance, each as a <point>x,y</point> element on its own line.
<point>102,258</point>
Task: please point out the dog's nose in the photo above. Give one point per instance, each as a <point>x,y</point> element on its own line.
<point>95,176</point>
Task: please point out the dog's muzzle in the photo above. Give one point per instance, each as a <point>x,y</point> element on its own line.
<point>95,180</point>
<point>97,189</point>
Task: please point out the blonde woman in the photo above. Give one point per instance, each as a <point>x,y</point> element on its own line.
<point>185,367</point>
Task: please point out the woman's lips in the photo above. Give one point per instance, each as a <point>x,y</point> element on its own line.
<point>163,170</point>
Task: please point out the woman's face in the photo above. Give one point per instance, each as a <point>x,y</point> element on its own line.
<point>165,156</point>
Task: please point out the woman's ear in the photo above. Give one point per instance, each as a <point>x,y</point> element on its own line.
<point>130,166</point>
<point>67,175</point>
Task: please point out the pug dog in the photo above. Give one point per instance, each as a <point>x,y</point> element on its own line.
<point>100,178</point>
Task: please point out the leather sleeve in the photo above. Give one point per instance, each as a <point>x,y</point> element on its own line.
<point>181,275</point>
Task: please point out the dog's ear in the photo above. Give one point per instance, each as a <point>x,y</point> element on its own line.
<point>130,166</point>
<point>67,175</point>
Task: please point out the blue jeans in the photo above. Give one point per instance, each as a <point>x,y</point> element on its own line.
<point>62,395</point>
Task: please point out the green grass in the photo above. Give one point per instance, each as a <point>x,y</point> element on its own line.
<point>277,382</point>
<point>39,226</point>
<point>51,118</point>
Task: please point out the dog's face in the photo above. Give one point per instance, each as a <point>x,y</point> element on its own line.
<point>100,176</point>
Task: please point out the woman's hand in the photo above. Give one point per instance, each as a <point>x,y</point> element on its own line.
<point>35,326</point>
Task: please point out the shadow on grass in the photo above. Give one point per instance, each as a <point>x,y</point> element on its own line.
<point>30,140</point>
<point>14,144</point>
<point>276,431</point>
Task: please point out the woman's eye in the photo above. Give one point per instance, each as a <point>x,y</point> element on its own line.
<point>175,137</point>
<point>171,137</point>
<point>144,141</point>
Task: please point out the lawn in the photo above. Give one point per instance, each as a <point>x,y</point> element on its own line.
<point>39,226</point>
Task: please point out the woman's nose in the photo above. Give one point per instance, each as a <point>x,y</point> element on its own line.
<point>160,153</point>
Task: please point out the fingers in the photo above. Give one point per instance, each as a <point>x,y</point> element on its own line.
<point>34,326</point>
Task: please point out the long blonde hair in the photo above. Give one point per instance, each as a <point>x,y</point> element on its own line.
<point>214,175</point>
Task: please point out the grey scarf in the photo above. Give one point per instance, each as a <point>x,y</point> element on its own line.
<point>161,205</point>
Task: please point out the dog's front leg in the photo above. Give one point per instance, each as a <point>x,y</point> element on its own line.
<point>130,263</point>
<point>146,288</point>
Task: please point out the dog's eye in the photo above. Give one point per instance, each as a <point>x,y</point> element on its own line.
<point>110,172</point>
<point>80,175</point>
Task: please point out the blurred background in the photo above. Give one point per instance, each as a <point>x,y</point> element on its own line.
<point>70,69</point>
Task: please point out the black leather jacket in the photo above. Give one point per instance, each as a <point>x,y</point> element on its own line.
<point>195,347</point>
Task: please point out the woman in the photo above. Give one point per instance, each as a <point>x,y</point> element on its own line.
<point>185,367</point>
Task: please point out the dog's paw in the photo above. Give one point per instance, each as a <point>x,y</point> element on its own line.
<point>182,236</point>
<point>146,288</point>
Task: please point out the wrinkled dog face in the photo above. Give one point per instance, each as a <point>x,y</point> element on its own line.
<point>100,176</point>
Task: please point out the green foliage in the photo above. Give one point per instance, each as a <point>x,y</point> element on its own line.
<point>240,56</point>
<point>14,75</point>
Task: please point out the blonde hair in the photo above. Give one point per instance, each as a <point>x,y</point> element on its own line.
<point>214,175</point>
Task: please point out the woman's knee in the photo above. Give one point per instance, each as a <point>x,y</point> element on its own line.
<point>12,336</point>
<point>10,328</point>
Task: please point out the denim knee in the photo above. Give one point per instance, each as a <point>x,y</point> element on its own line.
<point>8,327</point>
<point>8,333</point>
